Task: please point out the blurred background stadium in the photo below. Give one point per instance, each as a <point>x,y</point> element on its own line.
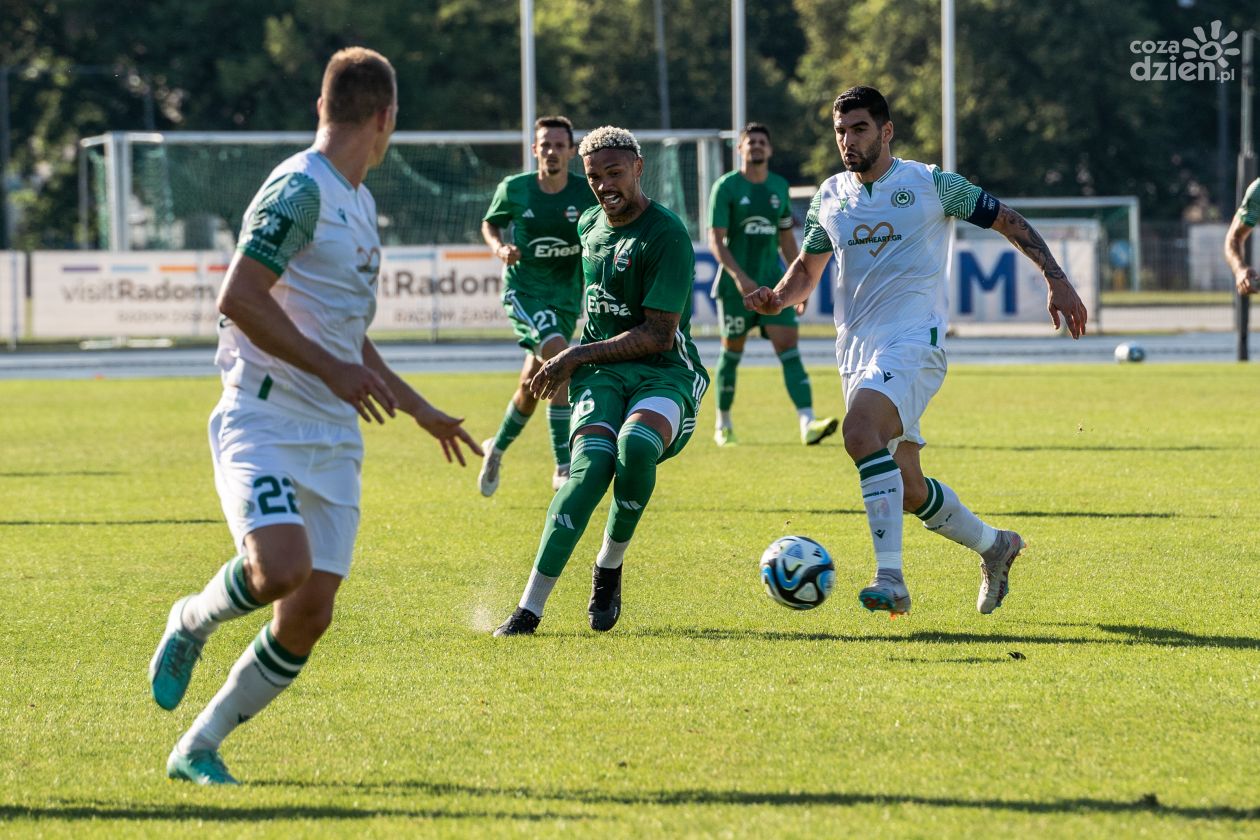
<point>153,133</point>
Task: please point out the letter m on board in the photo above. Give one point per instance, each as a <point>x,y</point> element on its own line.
<point>970,270</point>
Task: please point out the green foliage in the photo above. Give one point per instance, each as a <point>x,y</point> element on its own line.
<point>1045,102</point>
<point>709,710</point>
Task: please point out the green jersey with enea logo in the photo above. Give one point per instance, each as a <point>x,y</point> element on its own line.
<point>544,228</point>
<point>753,215</point>
<point>318,233</point>
<point>891,243</point>
<point>647,264</point>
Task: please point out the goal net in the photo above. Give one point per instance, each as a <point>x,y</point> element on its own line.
<point>188,191</point>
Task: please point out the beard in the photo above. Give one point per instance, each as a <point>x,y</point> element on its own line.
<point>865,159</point>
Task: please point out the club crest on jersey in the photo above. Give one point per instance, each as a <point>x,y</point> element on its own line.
<point>902,198</point>
<point>622,260</point>
<point>774,201</point>
<point>571,213</point>
<point>879,236</point>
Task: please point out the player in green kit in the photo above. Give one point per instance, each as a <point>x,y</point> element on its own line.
<point>542,282</point>
<point>635,380</point>
<point>1246,279</point>
<point>750,222</point>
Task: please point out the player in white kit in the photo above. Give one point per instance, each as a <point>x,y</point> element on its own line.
<point>887,223</point>
<point>298,372</point>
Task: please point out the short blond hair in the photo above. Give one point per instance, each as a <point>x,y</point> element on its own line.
<point>609,137</point>
<point>358,83</point>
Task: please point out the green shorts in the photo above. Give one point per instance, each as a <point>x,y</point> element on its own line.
<point>737,321</point>
<point>604,396</point>
<point>535,321</point>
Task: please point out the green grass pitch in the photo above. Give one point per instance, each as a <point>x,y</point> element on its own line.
<point>1133,707</point>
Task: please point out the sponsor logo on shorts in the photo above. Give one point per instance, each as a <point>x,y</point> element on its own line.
<point>887,376</point>
<point>879,236</point>
<point>549,247</point>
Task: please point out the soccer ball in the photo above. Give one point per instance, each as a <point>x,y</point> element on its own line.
<point>797,572</point>
<point>1130,352</point>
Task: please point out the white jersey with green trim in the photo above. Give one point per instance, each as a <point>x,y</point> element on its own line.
<point>891,244</point>
<point>319,234</point>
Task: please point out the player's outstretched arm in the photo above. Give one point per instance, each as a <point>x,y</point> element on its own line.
<point>246,300</point>
<point>654,335</point>
<point>795,287</point>
<point>790,251</point>
<point>447,429</point>
<point>1061,297</point>
<point>1246,279</point>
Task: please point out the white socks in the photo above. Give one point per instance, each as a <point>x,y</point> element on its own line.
<point>611,553</point>
<point>263,671</point>
<point>947,516</point>
<point>537,591</point>
<point>882,490</point>
<point>225,597</point>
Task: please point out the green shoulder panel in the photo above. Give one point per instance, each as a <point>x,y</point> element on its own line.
<point>815,240</point>
<point>958,195</point>
<point>282,221</point>
<point>1249,210</point>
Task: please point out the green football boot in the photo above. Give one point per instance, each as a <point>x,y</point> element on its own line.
<point>172,665</point>
<point>201,767</point>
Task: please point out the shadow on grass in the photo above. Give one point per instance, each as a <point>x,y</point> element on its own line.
<point>1028,514</point>
<point>1129,635</point>
<point>22,523</point>
<point>1148,803</point>
<point>75,811</point>
<point>1091,448</point>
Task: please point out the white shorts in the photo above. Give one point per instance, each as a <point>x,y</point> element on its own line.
<point>272,468</point>
<point>909,370</point>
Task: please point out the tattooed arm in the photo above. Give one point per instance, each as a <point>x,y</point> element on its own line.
<point>1061,298</point>
<point>654,335</point>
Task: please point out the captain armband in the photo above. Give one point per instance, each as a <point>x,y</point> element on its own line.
<point>986,211</point>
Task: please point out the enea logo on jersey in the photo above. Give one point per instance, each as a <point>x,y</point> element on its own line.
<point>600,300</point>
<point>759,226</point>
<point>571,213</point>
<point>549,247</point>
<point>902,198</point>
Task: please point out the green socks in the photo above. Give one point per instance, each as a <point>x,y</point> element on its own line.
<point>639,447</point>
<point>594,460</point>
<point>513,424</point>
<point>796,379</point>
<point>728,364</point>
